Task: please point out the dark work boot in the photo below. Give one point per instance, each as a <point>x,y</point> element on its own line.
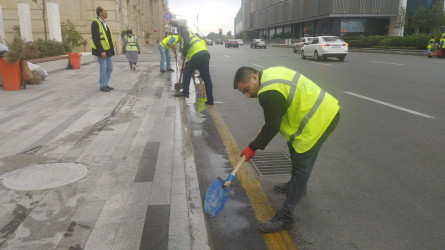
<point>276,224</point>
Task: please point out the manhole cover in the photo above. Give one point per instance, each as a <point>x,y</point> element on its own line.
<point>43,176</point>
<point>271,163</point>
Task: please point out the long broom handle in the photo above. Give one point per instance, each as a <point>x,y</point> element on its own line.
<point>234,171</point>
<point>182,71</point>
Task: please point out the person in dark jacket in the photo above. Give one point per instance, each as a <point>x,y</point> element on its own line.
<point>103,45</point>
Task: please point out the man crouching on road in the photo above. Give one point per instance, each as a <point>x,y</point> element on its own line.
<point>304,114</point>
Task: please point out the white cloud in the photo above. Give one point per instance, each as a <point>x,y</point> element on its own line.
<point>213,14</point>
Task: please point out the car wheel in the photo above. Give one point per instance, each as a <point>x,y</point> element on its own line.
<point>295,50</point>
<point>302,54</point>
<point>316,57</point>
<point>341,58</point>
<point>264,47</point>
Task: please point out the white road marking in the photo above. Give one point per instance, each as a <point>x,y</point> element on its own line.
<point>257,65</point>
<point>227,56</point>
<point>325,64</point>
<point>390,105</point>
<point>388,63</point>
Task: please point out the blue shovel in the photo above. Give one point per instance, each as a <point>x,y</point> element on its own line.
<point>218,192</point>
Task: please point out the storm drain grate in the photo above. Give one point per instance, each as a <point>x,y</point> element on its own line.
<point>271,163</point>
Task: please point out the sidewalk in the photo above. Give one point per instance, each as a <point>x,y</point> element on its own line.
<point>84,169</point>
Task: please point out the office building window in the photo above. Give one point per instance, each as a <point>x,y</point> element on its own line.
<point>353,25</point>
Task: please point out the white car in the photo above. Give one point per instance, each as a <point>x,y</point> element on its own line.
<point>300,43</point>
<point>240,41</point>
<point>322,47</point>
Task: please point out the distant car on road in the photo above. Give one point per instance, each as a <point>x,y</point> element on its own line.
<point>240,41</point>
<point>258,43</point>
<point>209,42</point>
<point>232,43</point>
<point>300,43</point>
<point>322,47</point>
<point>219,41</point>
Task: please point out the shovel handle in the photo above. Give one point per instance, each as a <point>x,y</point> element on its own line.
<point>234,171</point>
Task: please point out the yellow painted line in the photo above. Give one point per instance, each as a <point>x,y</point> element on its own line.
<point>258,199</point>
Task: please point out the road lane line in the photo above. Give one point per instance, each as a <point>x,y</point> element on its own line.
<point>325,64</point>
<point>260,203</point>
<point>390,105</point>
<point>257,65</point>
<point>227,56</point>
<point>388,63</point>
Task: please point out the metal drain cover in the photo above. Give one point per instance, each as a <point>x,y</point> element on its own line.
<point>271,163</point>
<point>43,176</point>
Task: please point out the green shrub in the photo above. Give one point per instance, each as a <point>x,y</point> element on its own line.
<point>70,36</point>
<point>15,49</point>
<point>375,40</point>
<point>50,48</point>
<point>30,51</point>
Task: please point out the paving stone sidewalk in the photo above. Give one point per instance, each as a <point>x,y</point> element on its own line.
<point>84,169</point>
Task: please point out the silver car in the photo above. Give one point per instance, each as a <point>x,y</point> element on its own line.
<point>300,43</point>
<point>322,47</point>
<point>258,43</point>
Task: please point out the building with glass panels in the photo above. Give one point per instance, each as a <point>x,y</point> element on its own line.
<point>283,19</point>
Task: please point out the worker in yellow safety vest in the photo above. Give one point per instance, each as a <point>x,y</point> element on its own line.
<point>198,57</point>
<point>167,43</point>
<point>103,45</point>
<point>303,113</point>
<point>431,46</point>
<point>131,49</point>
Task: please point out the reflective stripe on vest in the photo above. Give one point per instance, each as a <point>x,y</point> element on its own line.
<point>103,37</point>
<point>130,44</point>
<point>303,99</point>
<point>195,45</point>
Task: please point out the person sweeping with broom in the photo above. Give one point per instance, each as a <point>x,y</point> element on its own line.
<point>303,113</point>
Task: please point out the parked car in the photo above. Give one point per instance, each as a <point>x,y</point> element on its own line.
<point>300,43</point>
<point>232,43</point>
<point>219,41</point>
<point>240,41</point>
<point>258,43</point>
<point>209,42</point>
<point>322,47</point>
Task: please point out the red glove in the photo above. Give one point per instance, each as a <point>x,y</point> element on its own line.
<point>249,153</point>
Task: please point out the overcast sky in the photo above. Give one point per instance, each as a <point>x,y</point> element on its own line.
<point>213,14</point>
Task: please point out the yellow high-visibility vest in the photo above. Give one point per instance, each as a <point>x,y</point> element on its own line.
<point>130,43</point>
<point>103,37</point>
<point>196,45</point>
<point>310,109</point>
<point>165,41</point>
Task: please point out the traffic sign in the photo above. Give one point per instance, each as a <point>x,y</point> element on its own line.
<point>168,16</point>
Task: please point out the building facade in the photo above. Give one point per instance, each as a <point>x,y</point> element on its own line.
<point>142,16</point>
<point>283,19</point>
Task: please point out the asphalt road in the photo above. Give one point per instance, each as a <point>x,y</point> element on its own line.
<point>378,181</point>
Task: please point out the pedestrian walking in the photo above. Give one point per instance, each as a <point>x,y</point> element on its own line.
<point>103,45</point>
<point>167,43</point>
<point>303,113</point>
<point>131,49</point>
<point>198,57</point>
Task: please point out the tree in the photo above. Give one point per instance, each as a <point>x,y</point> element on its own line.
<point>212,36</point>
<point>436,17</point>
<point>70,36</point>
<point>43,8</point>
<point>419,19</point>
<point>401,20</point>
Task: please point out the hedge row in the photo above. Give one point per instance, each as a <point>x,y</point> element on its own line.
<point>42,48</point>
<point>418,41</point>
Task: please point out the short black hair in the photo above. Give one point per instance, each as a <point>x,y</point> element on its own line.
<point>129,31</point>
<point>181,28</point>
<point>99,10</point>
<point>242,75</point>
